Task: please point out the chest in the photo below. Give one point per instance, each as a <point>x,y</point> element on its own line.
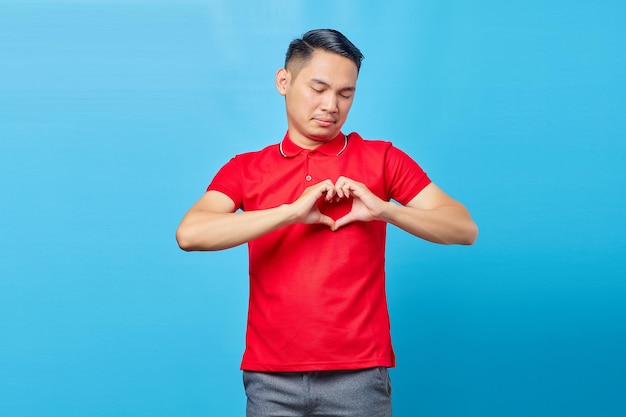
<point>270,183</point>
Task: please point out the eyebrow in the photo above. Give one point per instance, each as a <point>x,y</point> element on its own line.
<point>324,83</point>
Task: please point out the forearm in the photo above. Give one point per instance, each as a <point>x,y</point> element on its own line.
<point>446,224</point>
<point>207,231</point>
<point>213,224</point>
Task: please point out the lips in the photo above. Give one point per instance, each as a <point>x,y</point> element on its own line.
<point>325,122</point>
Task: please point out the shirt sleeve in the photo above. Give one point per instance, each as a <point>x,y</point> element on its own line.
<point>403,176</point>
<point>228,181</point>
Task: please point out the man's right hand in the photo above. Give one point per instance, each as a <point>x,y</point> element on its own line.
<point>305,207</point>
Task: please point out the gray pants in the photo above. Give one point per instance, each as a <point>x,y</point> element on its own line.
<point>360,393</point>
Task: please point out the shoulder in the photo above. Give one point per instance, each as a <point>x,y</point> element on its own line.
<point>269,150</point>
<point>357,138</point>
<point>383,147</point>
<point>392,155</point>
<point>254,160</point>
<point>368,144</point>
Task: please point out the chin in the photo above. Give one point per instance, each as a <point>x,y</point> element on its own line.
<point>317,138</point>
<point>324,136</point>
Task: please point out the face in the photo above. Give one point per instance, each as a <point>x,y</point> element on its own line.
<point>318,98</point>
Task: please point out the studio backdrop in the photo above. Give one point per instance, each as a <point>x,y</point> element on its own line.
<point>115,115</point>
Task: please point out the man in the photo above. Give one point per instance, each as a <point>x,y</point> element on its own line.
<point>313,210</point>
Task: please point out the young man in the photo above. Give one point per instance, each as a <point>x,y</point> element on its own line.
<point>313,210</point>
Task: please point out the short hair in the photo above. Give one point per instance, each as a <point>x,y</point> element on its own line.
<point>300,50</point>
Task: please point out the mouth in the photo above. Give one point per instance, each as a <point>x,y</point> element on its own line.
<point>324,122</point>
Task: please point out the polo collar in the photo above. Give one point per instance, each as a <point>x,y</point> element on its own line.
<point>335,147</point>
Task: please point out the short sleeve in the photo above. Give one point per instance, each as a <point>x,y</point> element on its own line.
<point>228,181</point>
<point>404,178</point>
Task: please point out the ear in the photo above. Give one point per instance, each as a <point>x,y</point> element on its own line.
<point>283,78</point>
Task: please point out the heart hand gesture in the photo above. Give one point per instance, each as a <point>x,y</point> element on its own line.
<point>365,205</point>
<point>339,204</point>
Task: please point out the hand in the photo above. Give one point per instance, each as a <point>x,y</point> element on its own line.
<point>306,209</point>
<point>366,206</point>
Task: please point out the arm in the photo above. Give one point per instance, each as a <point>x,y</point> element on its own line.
<point>434,216</point>
<point>431,215</point>
<point>212,223</point>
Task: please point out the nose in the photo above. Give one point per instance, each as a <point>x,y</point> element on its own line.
<point>330,103</point>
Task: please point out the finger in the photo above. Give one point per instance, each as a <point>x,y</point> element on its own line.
<point>338,192</point>
<point>341,181</point>
<point>321,188</point>
<point>338,187</point>
<point>347,190</point>
<point>328,221</point>
<point>330,193</point>
<point>342,221</point>
<point>327,187</point>
<point>344,190</point>
<point>345,186</point>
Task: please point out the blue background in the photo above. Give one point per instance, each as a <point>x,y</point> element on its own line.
<point>114,116</point>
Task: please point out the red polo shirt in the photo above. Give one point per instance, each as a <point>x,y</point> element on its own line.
<point>317,297</point>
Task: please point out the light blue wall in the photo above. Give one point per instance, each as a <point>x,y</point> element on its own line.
<point>115,115</point>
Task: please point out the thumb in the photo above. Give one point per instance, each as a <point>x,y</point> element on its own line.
<point>328,221</point>
<point>348,218</point>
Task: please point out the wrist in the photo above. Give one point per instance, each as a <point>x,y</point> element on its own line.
<point>287,213</point>
<point>387,211</point>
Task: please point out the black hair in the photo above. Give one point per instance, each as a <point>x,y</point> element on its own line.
<point>330,40</point>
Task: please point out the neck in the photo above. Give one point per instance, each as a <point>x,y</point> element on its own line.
<point>309,142</point>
